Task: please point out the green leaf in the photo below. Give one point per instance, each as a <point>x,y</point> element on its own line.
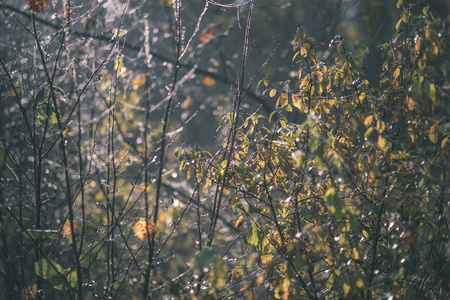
<point>346,288</point>
<point>55,274</point>
<point>39,234</point>
<point>118,33</point>
<point>251,237</point>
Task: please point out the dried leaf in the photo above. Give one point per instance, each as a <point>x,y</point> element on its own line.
<point>142,227</point>
<point>13,92</point>
<point>186,103</point>
<point>29,292</point>
<point>208,81</point>
<point>206,36</point>
<point>65,228</point>
<point>37,6</point>
<point>137,82</point>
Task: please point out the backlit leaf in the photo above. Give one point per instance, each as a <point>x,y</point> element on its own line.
<point>368,121</point>
<point>118,33</point>
<point>142,227</point>
<point>272,92</point>
<point>251,237</point>
<point>303,52</point>
<point>39,234</point>
<point>55,274</point>
<point>118,63</point>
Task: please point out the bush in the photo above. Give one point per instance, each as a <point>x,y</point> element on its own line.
<point>334,188</point>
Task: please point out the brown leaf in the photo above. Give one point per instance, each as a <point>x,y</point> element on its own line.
<point>208,81</point>
<point>206,36</point>
<point>137,82</point>
<point>142,226</point>
<point>37,6</point>
<point>65,228</point>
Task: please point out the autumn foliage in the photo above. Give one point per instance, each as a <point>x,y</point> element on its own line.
<point>329,183</point>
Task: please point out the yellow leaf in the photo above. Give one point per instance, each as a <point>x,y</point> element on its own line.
<point>399,3</point>
<point>118,63</point>
<point>67,130</point>
<point>118,33</point>
<point>266,258</point>
<point>380,126</point>
<point>362,96</point>
<point>296,101</point>
<point>418,44</point>
<point>303,52</point>
<point>272,92</point>
<point>239,221</point>
<point>137,82</point>
<point>397,26</point>
<point>396,73</point>
<point>284,98</point>
<point>346,288</point>
<point>411,103</point>
<point>365,233</point>
<point>142,227</point>
<point>355,253</point>
<point>433,133</point>
<point>444,141</point>
<point>368,121</point>
<point>13,92</point>
<point>381,142</point>
<point>208,81</point>
<point>412,135</point>
<point>238,272</point>
<point>433,92</point>
<point>360,282</point>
